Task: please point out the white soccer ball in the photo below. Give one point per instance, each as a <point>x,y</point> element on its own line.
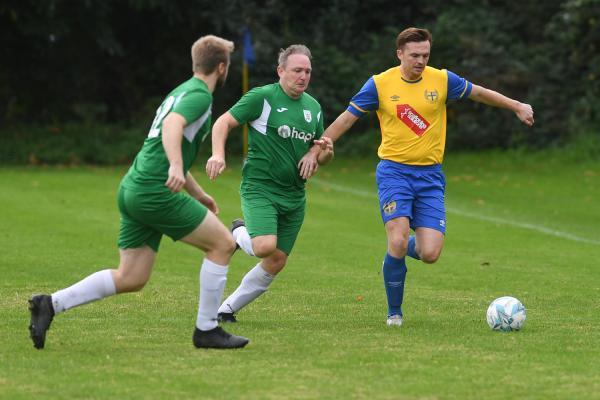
<point>506,314</point>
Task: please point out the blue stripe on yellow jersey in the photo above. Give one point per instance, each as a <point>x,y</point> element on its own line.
<point>412,114</point>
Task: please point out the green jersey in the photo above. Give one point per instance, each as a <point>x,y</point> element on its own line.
<point>193,101</point>
<point>281,131</point>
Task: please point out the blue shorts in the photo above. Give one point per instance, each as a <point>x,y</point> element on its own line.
<point>412,191</point>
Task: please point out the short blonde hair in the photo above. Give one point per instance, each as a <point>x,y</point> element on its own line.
<point>208,52</point>
<point>293,49</point>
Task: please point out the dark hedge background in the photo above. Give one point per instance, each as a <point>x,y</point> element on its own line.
<point>80,80</point>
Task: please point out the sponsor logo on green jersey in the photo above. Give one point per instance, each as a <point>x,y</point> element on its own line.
<point>286,132</point>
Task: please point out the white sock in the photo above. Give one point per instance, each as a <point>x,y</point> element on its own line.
<point>212,283</point>
<point>242,238</point>
<point>255,283</point>
<point>95,287</point>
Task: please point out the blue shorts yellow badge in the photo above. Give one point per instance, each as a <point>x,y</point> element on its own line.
<point>412,191</point>
<point>389,208</point>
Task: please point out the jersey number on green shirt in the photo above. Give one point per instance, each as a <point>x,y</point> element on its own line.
<point>161,113</point>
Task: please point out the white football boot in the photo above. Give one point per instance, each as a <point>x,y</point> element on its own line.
<point>394,320</point>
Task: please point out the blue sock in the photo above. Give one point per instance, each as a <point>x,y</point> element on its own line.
<point>394,274</point>
<point>411,251</point>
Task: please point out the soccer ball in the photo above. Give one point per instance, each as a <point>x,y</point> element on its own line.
<point>506,314</point>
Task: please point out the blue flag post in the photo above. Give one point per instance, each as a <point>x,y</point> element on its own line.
<point>249,60</point>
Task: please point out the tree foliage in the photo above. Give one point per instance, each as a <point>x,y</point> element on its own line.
<point>111,62</point>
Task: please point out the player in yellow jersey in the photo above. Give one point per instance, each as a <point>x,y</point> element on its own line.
<point>410,101</point>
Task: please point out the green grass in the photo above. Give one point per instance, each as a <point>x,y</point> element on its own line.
<point>526,227</point>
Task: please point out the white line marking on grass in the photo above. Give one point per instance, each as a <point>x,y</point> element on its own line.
<point>524,225</point>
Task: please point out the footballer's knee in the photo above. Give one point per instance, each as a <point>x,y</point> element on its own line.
<point>397,246</point>
<point>430,256</point>
<point>221,249</point>
<point>263,249</point>
<point>226,245</point>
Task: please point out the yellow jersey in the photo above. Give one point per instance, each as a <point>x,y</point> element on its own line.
<point>412,114</point>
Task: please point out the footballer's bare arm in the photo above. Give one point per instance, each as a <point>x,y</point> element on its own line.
<point>223,125</point>
<point>483,95</point>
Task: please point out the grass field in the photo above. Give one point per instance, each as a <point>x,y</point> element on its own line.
<point>517,226</point>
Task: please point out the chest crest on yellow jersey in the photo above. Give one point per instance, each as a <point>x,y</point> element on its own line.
<point>431,96</point>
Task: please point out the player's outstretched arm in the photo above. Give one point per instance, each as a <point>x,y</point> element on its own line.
<point>486,96</point>
<point>340,126</point>
<point>196,191</point>
<point>309,164</point>
<point>216,163</point>
<point>172,134</point>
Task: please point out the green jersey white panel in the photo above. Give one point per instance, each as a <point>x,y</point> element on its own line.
<point>281,131</point>
<point>193,101</point>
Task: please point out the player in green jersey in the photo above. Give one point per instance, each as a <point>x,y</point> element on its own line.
<point>152,205</point>
<point>284,122</point>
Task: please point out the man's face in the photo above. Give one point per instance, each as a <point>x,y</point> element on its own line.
<point>294,78</point>
<point>414,57</point>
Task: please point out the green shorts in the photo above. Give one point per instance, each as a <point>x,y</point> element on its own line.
<point>271,214</point>
<point>145,217</point>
